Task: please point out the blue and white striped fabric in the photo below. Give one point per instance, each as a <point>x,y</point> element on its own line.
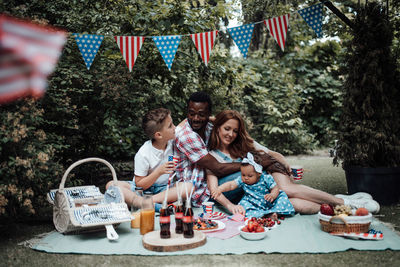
<point>167,45</point>
<point>242,37</point>
<point>102,214</point>
<point>84,192</point>
<point>313,16</point>
<point>88,44</point>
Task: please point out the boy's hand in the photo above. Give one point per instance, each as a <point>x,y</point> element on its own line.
<point>167,168</point>
<point>269,197</point>
<point>234,209</point>
<point>215,192</point>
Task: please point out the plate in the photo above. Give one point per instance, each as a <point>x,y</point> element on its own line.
<point>367,236</point>
<point>215,216</point>
<point>221,226</point>
<point>253,236</point>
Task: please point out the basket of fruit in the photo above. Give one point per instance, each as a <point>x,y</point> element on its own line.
<point>342,219</point>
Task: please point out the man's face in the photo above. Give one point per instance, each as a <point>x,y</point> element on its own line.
<point>198,115</point>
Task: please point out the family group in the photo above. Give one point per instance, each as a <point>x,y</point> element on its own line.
<point>227,165</point>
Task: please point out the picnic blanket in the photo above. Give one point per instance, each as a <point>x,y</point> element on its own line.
<point>297,234</point>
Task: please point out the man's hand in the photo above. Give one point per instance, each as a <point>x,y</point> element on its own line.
<point>215,192</point>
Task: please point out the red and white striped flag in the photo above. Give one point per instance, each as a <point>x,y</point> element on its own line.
<point>204,43</point>
<point>28,54</point>
<point>278,27</point>
<point>130,47</point>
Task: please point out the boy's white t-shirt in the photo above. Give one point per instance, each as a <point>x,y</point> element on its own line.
<point>148,158</point>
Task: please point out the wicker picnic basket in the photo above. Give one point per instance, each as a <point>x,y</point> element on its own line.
<point>85,208</point>
<point>345,224</point>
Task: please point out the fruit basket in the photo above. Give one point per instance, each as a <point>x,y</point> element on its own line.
<point>344,224</point>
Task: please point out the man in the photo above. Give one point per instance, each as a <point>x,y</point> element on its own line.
<point>191,143</point>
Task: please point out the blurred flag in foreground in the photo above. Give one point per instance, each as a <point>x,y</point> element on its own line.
<point>28,54</point>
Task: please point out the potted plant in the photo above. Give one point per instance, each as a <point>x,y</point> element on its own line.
<point>369,130</point>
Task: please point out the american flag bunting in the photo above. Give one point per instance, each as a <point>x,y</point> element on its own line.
<point>278,27</point>
<point>204,43</point>
<point>28,54</point>
<point>130,47</point>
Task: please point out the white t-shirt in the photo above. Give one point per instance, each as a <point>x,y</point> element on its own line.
<point>148,158</point>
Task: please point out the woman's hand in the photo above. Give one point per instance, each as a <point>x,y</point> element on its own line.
<point>234,209</point>
<point>269,197</point>
<point>215,192</point>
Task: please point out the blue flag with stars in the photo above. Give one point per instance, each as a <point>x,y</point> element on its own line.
<point>88,44</point>
<point>313,16</point>
<point>242,37</point>
<point>167,45</point>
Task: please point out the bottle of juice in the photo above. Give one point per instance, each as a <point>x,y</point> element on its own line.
<point>135,208</point>
<point>147,213</point>
<point>165,221</point>
<point>188,220</point>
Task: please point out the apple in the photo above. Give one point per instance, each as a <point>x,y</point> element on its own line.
<point>327,209</point>
<point>362,212</point>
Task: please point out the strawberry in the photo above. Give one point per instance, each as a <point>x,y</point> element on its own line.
<point>250,226</point>
<point>245,229</point>
<point>259,229</point>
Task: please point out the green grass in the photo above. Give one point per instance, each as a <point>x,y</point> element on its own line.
<point>319,173</point>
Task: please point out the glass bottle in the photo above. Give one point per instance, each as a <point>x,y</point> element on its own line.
<point>179,217</point>
<point>147,213</point>
<point>135,207</point>
<point>165,221</point>
<point>188,220</point>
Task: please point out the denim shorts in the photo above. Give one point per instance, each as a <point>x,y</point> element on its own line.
<point>154,189</point>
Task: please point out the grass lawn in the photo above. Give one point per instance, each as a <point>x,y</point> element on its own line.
<point>319,173</point>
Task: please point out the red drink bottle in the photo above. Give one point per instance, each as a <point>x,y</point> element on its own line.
<point>188,220</point>
<point>179,217</point>
<point>165,221</point>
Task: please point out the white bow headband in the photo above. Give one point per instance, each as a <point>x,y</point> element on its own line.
<point>250,160</point>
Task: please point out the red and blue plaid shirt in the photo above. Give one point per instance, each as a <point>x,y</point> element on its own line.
<point>190,148</point>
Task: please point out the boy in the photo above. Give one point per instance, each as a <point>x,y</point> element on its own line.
<point>152,168</point>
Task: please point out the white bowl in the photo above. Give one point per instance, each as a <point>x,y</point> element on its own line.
<point>253,236</point>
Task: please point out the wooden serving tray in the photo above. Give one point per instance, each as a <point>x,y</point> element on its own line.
<point>177,242</point>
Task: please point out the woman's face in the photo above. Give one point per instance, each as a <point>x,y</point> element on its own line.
<point>228,132</point>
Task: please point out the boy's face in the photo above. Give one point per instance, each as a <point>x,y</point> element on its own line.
<point>168,130</point>
<point>198,114</point>
<point>249,175</point>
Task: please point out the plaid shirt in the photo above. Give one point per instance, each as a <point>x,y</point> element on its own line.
<point>190,149</point>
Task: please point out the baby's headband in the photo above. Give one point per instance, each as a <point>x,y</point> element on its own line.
<point>250,160</point>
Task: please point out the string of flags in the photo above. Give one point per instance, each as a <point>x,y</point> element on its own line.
<point>130,46</point>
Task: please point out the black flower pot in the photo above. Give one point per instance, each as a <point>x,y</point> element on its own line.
<point>382,183</point>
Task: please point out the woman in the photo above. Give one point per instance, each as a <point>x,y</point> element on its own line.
<point>230,142</point>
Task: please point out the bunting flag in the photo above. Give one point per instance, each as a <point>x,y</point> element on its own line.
<point>278,27</point>
<point>167,45</point>
<point>130,47</point>
<point>88,44</point>
<point>28,54</point>
<point>242,37</point>
<point>204,43</point>
<point>313,16</point>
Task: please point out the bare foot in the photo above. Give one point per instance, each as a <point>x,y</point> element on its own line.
<point>273,216</point>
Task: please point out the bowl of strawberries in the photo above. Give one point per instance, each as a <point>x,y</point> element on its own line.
<point>253,231</point>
